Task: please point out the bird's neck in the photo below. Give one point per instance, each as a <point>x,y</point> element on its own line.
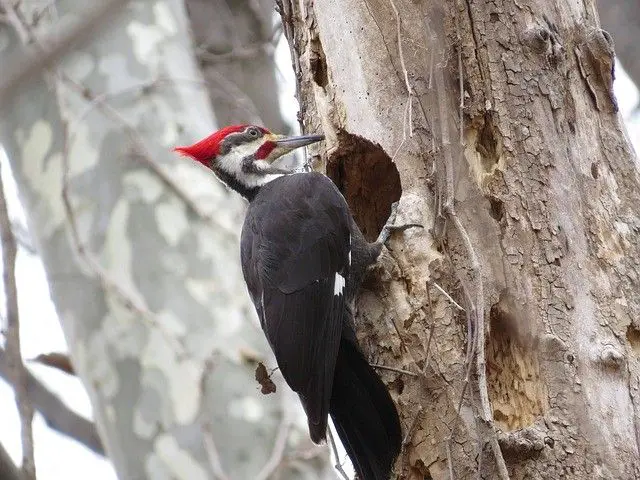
<point>231,181</point>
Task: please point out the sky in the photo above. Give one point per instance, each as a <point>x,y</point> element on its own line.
<point>56,456</point>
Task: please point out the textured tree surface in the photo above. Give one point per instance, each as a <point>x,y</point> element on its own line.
<point>140,248</point>
<point>530,198</point>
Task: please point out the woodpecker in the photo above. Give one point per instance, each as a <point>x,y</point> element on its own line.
<point>303,259</point>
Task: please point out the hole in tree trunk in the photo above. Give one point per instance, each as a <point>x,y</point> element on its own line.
<point>367,178</point>
<point>633,337</point>
<point>516,390</point>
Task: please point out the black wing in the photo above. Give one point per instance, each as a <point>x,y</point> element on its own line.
<point>295,257</point>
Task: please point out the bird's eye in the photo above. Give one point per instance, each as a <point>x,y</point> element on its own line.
<point>253,132</point>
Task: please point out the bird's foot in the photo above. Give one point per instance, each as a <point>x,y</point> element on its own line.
<point>390,226</point>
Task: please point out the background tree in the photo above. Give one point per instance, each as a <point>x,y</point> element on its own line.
<point>516,310</point>
<point>140,248</point>
<point>621,18</point>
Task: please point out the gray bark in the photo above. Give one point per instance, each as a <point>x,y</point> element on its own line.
<point>621,18</point>
<point>530,198</point>
<point>235,44</point>
<point>143,261</point>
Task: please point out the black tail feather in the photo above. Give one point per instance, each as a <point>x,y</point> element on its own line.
<point>364,415</point>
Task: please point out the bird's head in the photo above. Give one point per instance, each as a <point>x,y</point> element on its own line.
<point>242,156</point>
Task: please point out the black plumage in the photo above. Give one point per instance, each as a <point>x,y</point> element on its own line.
<point>297,236</point>
<point>303,259</point>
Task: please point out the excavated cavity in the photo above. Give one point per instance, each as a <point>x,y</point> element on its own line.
<point>318,64</point>
<point>367,178</point>
<point>516,390</point>
<point>489,144</point>
<point>633,337</point>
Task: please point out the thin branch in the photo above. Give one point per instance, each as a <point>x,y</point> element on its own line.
<point>431,330</point>
<point>334,449</point>
<point>29,64</point>
<point>8,469</point>
<point>403,65</point>
<point>449,461</point>
<point>392,369</point>
<point>17,370</point>
<point>277,454</point>
<point>449,297</point>
<point>56,413</point>
<point>212,452</point>
<point>412,427</point>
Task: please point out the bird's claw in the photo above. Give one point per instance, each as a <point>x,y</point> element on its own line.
<point>390,228</point>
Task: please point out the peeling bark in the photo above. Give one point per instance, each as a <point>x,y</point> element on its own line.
<point>500,121</point>
<point>141,253</point>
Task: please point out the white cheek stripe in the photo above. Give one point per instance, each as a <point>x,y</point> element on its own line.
<point>338,284</point>
<point>232,163</point>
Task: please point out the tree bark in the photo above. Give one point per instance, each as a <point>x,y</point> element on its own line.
<point>621,18</point>
<point>235,44</point>
<point>495,126</point>
<point>140,250</point>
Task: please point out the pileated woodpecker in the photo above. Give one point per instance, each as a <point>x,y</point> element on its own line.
<point>303,259</point>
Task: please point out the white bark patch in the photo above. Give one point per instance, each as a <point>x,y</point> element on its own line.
<point>146,39</point>
<point>201,290</point>
<point>82,154</point>
<point>117,329</point>
<point>44,176</point>
<point>338,284</point>
<point>172,220</point>
<point>144,186</point>
<point>177,460</point>
<point>182,375</point>
<point>117,63</point>
<point>248,409</point>
<point>102,373</point>
<point>164,18</point>
<point>117,253</point>
<point>79,65</point>
<point>171,324</point>
<point>141,427</point>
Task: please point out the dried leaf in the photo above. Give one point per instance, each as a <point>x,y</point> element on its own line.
<point>264,379</point>
<point>58,360</point>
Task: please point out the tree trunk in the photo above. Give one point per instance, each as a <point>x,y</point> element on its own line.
<point>525,277</point>
<point>141,253</point>
<point>235,44</point>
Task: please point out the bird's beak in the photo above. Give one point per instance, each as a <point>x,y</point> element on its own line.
<point>291,143</point>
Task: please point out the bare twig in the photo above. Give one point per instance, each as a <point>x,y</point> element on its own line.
<point>277,454</point>
<point>412,427</point>
<point>30,64</point>
<point>212,452</point>
<point>334,449</point>
<point>431,329</point>
<point>17,370</point>
<point>392,369</point>
<point>8,469</point>
<point>56,413</point>
<point>449,297</point>
<point>238,53</point>
<point>403,65</point>
<point>449,461</point>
